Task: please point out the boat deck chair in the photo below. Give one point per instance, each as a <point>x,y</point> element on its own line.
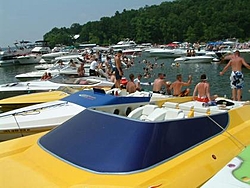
<point>188,109</point>
<point>170,105</point>
<point>201,111</point>
<point>142,112</point>
<point>174,114</point>
<point>157,115</point>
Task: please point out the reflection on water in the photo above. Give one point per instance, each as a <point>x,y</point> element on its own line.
<point>219,84</point>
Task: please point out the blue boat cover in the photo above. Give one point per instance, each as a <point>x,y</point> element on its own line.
<point>88,98</point>
<point>105,143</point>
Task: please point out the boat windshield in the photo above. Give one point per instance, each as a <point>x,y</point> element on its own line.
<point>104,143</point>
<point>62,79</point>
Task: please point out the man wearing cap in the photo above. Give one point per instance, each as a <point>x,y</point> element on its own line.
<point>236,77</point>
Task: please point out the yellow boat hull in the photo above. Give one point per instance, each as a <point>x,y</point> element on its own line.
<point>24,163</point>
<point>20,101</point>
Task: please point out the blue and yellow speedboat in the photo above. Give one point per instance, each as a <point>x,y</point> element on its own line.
<point>99,149</point>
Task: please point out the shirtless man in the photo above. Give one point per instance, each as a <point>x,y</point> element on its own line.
<point>177,85</point>
<point>203,90</point>
<point>80,70</point>
<point>137,82</point>
<point>236,77</point>
<point>159,83</point>
<point>131,87</point>
<point>118,69</point>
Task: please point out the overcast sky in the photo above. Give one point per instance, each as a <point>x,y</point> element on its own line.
<point>31,19</point>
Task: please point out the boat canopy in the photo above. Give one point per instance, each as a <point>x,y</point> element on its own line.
<point>105,143</point>
<point>99,98</point>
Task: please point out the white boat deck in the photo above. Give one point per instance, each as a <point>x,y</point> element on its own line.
<point>173,110</point>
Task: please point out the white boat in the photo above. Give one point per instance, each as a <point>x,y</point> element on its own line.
<point>7,59</point>
<point>54,70</point>
<point>29,59</point>
<point>167,52</point>
<point>124,44</point>
<point>34,86</point>
<point>45,116</point>
<point>51,56</point>
<point>234,174</point>
<point>196,59</point>
<point>10,56</point>
<point>132,51</point>
<point>69,70</point>
<point>44,66</point>
<point>34,57</point>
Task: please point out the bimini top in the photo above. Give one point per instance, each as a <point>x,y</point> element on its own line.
<point>106,143</point>
<point>89,99</point>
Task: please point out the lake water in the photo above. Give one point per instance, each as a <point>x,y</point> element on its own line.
<point>219,84</point>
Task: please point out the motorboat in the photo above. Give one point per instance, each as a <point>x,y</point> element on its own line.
<point>103,146</point>
<point>7,59</point>
<point>124,44</point>
<point>10,56</point>
<point>167,52</point>
<point>45,116</point>
<point>54,70</point>
<point>43,66</point>
<point>233,174</point>
<point>20,101</point>
<point>29,59</point>
<point>35,86</point>
<point>70,70</point>
<point>132,51</point>
<point>51,56</point>
<point>35,55</point>
<point>197,59</point>
<point>67,58</point>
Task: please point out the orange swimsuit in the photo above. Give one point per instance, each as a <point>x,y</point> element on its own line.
<point>202,99</point>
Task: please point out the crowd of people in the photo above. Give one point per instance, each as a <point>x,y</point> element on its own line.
<point>115,73</point>
<point>201,89</point>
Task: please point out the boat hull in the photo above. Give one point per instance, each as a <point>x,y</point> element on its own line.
<point>44,116</point>
<point>8,62</point>
<point>35,86</point>
<point>20,101</point>
<point>29,59</point>
<point>167,53</point>
<point>195,59</point>
<point>36,118</point>
<point>179,169</point>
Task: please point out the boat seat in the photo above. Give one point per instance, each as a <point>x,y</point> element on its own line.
<point>201,111</point>
<point>174,114</point>
<point>142,112</point>
<point>170,105</point>
<point>157,115</point>
<point>216,111</point>
<point>187,109</point>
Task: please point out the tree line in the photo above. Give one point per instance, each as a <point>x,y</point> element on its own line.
<point>177,20</point>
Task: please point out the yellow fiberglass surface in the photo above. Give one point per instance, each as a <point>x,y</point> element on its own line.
<point>24,163</point>
<point>30,99</point>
